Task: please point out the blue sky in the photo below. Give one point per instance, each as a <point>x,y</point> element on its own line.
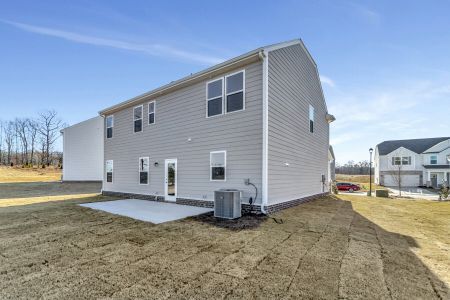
<point>385,65</point>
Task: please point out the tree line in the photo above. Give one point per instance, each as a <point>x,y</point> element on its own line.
<point>353,168</point>
<point>31,141</point>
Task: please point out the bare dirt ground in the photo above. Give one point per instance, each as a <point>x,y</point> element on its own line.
<point>347,247</point>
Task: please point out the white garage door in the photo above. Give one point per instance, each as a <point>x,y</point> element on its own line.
<point>407,180</point>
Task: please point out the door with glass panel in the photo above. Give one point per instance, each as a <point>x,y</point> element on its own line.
<point>171,179</point>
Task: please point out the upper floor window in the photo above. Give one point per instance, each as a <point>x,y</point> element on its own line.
<point>311,118</point>
<point>143,170</point>
<point>109,126</point>
<point>137,116</point>
<point>406,160</point>
<point>214,97</point>
<point>218,164</point>
<point>401,160</point>
<point>151,112</point>
<point>109,171</point>
<point>235,91</point>
<point>433,160</point>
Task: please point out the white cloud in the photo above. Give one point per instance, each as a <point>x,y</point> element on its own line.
<point>151,49</point>
<point>327,80</point>
<point>366,117</point>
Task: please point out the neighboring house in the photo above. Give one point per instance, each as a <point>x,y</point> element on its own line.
<point>417,162</point>
<point>260,116</point>
<point>83,151</point>
<point>331,165</point>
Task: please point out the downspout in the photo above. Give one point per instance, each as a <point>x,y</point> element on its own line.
<point>265,111</point>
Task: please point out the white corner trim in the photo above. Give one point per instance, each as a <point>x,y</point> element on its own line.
<point>265,86</point>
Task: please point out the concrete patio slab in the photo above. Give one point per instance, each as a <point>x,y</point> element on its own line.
<point>149,211</point>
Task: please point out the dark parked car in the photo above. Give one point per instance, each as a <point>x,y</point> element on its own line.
<point>346,186</point>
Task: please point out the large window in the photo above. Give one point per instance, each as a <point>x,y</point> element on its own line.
<point>311,118</point>
<point>109,126</point>
<point>401,160</point>
<point>109,171</point>
<point>151,112</point>
<point>137,116</point>
<point>214,97</point>
<point>433,159</point>
<point>235,92</point>
<point>218,165</point>
<point>143,170</point>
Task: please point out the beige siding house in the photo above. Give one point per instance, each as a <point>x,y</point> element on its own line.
<point>259,118</point>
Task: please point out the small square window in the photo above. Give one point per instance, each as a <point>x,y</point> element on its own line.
<point>433,159</point>
<point>218,164</point>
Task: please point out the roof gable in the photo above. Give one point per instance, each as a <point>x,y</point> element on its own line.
<point>416,145</point>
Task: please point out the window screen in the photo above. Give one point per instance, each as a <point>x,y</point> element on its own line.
<point>143,170</point>
<point>214,97</point>
<point>109,171</point>
<point>151,113</point>
<point>137,118</point>
<point>218,162</point>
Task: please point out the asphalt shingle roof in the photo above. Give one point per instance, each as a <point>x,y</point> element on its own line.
<point>415,145</point>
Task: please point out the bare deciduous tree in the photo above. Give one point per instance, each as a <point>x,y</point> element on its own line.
<point>49,127</point>
<point>9,140</point>
<point>22,131</point>
<point>33,130</point>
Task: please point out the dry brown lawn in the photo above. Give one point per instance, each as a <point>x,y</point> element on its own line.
<point>362,180</point>
<point>18,174</point>
<point>348,247</point>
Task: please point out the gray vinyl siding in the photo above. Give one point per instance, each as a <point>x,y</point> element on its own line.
<point>293,86</point>
<point>181,115</point>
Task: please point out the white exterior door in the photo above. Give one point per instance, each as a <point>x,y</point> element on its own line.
<point>170,183</point>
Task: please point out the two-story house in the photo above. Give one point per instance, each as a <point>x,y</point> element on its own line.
<point>416,162</point>
<point>258,123</point>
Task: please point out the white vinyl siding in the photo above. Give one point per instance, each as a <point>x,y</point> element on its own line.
<point>296,157</point>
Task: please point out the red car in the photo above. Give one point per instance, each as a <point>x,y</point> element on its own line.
<point>349,187</point>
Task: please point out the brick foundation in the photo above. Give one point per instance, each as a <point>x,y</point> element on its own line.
<point>246,208</point>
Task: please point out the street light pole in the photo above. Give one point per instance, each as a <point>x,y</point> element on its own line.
<point>370,172</point>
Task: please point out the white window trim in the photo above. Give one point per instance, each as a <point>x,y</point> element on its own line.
<point>313,118</point>
<point>142,118</point>
<point>431,156</point>
<point>210,166</point>
<point>235,92</point>
<point>139,170</point>
<point>154,112</point>
<point>106,171</point>
<point>112,126</point>
<point>208,99</point>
